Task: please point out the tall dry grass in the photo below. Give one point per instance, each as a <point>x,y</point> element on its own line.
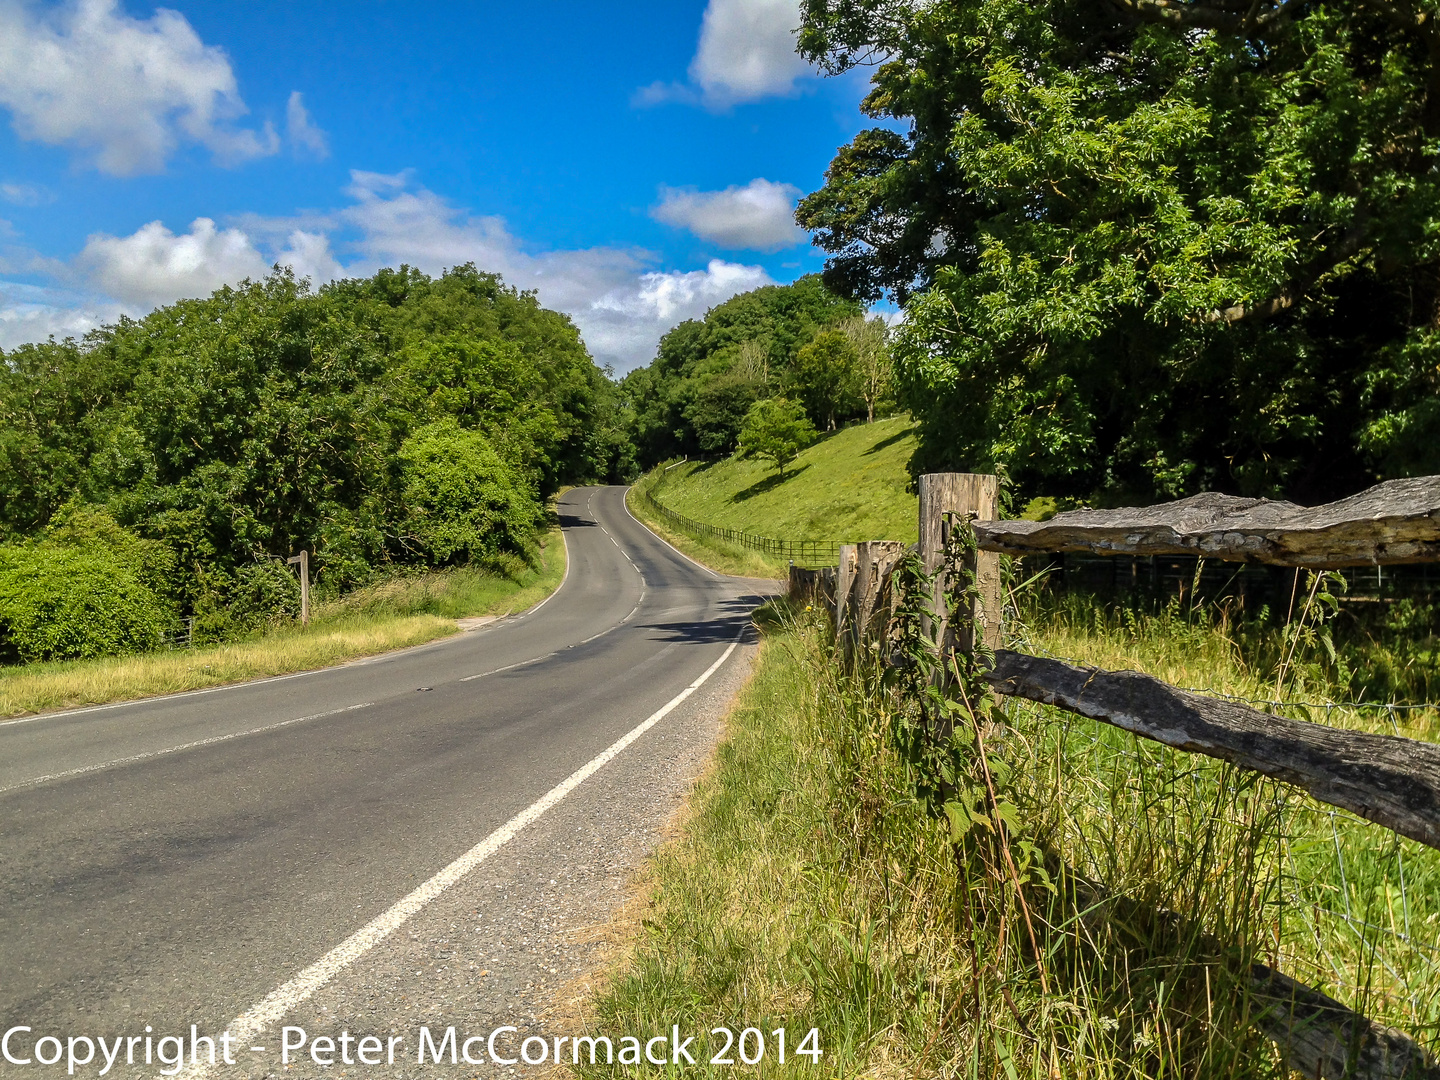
<point>391,614</point>
<point>811,888</point>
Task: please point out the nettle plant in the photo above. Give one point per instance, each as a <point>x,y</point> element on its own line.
<point>950,725</point>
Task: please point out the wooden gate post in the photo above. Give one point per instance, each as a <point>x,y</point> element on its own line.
<point>844,581</point>
<point>973,495</point>
<point>304,560</point>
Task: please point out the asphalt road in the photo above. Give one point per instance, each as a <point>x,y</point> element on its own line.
<point>173,861</point>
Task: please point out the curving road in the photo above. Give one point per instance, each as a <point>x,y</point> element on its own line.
<point>176,860</point>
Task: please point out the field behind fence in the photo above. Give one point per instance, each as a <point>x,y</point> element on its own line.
<point>804,553</point>
<point>1306,833</point>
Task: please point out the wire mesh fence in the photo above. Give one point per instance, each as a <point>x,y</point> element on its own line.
<point>806,553</point>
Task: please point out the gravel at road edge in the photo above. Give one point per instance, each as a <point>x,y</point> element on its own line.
<point>508,945</point>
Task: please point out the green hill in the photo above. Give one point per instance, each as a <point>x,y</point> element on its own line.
<point>848,486</point>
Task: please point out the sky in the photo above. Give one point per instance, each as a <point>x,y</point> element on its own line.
<point>636,163</point>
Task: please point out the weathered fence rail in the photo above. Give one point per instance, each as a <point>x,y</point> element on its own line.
<point>1389,780</point>
<point>1394,522</point>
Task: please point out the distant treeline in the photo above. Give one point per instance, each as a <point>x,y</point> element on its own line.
<point>164,467</point>
<point>799,341</point>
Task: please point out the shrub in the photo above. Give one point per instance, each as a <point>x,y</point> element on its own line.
<point>465,502</point>
<point>60,602</point>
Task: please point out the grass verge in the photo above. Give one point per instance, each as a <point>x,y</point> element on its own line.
<point>851,485</point>
<point>719,556</point>
<point>393,614</point>
<point>810,887</point>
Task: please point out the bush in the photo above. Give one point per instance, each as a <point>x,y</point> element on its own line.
<point>465,502</point>
<point>60,602</point>
<point>266,590</point>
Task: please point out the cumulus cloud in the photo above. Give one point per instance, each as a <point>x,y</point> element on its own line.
<point>34,313</point>
<point>621,306</point>
<point>760,216</point>
<point>304,136</point>
<point>746,52</point>
<point>620,302</point>
<point>124,91</point>
<point>155,266</point>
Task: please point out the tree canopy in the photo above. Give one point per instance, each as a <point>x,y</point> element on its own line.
<point>693,398</point>
<point>1149,246</point>
<point>398,418</point>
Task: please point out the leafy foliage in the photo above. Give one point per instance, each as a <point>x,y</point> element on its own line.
<point>87,588</point>
<point>464,502</point>
<point>826,378</point>
<point>694,397</point>
<point>1147,248</point>
<point>239,428</point>
<point>776,429</point>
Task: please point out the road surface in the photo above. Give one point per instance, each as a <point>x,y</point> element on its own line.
<point>179,860</point>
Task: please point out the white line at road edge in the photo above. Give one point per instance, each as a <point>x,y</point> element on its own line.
<point>273,1009</point>
<point>132,759</point>
<point>662,540</point>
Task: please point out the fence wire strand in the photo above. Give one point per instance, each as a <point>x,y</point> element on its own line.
<point>806,553</point>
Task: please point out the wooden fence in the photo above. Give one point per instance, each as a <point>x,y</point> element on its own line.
<point>803,553</point>
<point>1390,780</point>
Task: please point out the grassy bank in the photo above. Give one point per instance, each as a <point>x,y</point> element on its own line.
<point>717,554</point>
<point>809,886</point>
<point>392,614</point>
<point>848,486</point>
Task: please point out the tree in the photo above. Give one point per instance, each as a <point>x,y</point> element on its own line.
<point>706,373</point>
<point>1149,247</point>
<point>825,377</point>
<point>870,339</point>
<point>776,429</point>
<point>465,503</point>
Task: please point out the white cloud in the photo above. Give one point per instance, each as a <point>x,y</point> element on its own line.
<point>301,131</point>
<point>622,308</point>
<point>154,266</point>
<point>746,52</point>
<point>33,313</point>
<point>620,303</point>
<point>125,91</point>
<point>760,216</point>
<point>26,194</point>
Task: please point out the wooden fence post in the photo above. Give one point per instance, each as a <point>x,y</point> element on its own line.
<point>304,560</point>
<point>973,495</point>
<point>844,579</point>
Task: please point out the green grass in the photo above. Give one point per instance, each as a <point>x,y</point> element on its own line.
<point>722,557</point>
<point>392,614</point>
<point>848,486</point>
<point>809,887</point>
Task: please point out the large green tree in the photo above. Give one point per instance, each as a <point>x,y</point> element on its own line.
<point>1149,246</point>
<point>269,417</point>
<point>693,398</point>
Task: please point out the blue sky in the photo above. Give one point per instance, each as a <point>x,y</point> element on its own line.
<point>636,163</point>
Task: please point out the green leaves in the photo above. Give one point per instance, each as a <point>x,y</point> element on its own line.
<point>386,420</point>
<point>1141,257</point>
<point>776,429</point>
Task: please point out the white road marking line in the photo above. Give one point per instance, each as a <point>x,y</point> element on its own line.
<point>563,578</point>
<point>176,749</point>
<point>279,1002</point>
<point>507,667</point>
<point>667,543</point>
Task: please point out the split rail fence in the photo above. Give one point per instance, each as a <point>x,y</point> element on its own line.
<point>1387,779</point>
